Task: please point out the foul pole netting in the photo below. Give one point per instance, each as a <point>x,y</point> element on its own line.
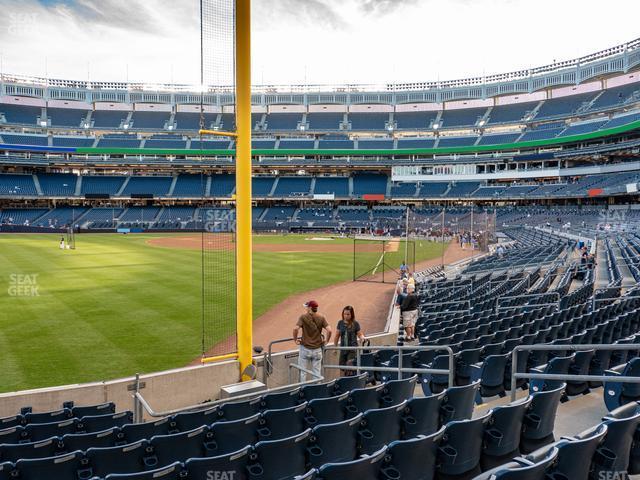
<point>218,222</point>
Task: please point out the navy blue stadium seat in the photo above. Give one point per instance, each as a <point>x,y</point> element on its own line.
<point>16,451</point>
<point>491,376</point>
<point>282,423</point>
<point>397,391</point>
<point>121,459</point>
<point>5,471</point>
<point>533,467</point>
<point>234,465</point>
<point>180,446</point>
<point>413,459</point>
<point>461,448</point>
<point>580,366</point>
<point>98,423</point>
<point>14,435</point>
<point>502,435</point>
<point>335,442</point>
<point>540,419</point>
<point>362,399</point>
<point>171,472</point>
<point>10,422</point>
<point>575,453</point>
<point>422,415</point>
<point>85,441</point>
<point>556,366</point>
<point>279,459</point>
<point>84,410</point>
<point>319,390</point>
<point>186,421</point>
<point>326,410</point>
<point>617,394</point>
<point>233,435</point>
<point>134,432</point>
<point>346,384</point>
<point>435,383</point>
<point>48,417</point>
<point>458,402</point>
<point>617,452</point>
<point>237,410</point>
<point>380,427</point>
<point>41,431</point>
<point>366,467</point>
<point>280,400</point>
<point>64,467</point>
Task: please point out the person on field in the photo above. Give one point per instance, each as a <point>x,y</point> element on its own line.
<point>348,332</point>
<point>409,312</point>
<point>311,323</point>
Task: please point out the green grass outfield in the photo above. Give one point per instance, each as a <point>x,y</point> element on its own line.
<point>117,306</point>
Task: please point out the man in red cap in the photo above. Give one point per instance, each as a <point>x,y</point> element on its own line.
<point>312,324</point>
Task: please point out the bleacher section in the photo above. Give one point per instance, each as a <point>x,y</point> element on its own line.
<point>67,117</point>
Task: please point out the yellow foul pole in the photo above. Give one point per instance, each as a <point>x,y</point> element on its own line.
<point>244,274</point>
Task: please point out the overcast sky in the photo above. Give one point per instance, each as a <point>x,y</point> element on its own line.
<point>310,41</point>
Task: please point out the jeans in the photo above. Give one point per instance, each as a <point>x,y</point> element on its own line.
<point>310,359</point>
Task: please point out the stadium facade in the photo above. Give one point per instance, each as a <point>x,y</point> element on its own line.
<point>106,153</point>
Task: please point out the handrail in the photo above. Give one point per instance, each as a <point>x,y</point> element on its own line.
<point>528,295</point>
<point>450,372</point>
<point>515,376</point>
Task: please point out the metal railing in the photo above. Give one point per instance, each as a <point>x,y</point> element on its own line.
<point>400,369</point>
<point>515,376</point>
<point>140,403</point>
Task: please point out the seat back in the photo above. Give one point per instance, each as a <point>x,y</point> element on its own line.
<point>282,423</point>
<point>122,459</point>
<point>414,458</point>
<point>502,435</point>
<point>540,419</point>
<point>280,400</point>
<point>380,427</point>
<point>98,423</point>
<point>346,384</point>
<point>397,391</point>
<point>422,415</point>
<point>367,467</point>
<point>134,432</point>
<point>458,402</point>
<point>234,435</point>
<point>236,410</point>
<point>334,443</point>
<point>461,446</point>
<point>283,458</point>
<point>170,472</point>
<point>574,452</point>
<point>363,399</point>
<point>326,410</point>
<point>234,464</point>
<point>532,468</point>
<point>178,447</point>
<point>60,467</point>
<point>85,441</point>
<point>16,451</point>
<point>187,421</point>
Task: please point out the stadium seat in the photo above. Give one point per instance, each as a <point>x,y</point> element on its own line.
<point>461,448</point>
<point>491,376</point>
<point>41,431</point>
<point>335,442</point>
<point>362,399</point>
<point>326,410</point>
<point>179,447</point>
<point>121,459</point>
<point>617,452</point>
<point>397,391</point>
<point>380,427</point>
<point>422,416</point>
<point>233,435</point>
<point>84,410</point>
<point>280,400</point>
<point>366,467</point>
<point>435,383</point>
<point>187,421</point>
<point>458,402</point>
<point>279,459</point>
<point>14,435</point>
<point>48,417</point>
<point>502,435</point>
<point>98,423</point>
<point>575,453</point>
<point>64,467</point>
<point>533,467</point>
<point>320,390</point>
<point>346,384</point>
<point>414,458</point>
<point>580,366</point>
<point>85,441</point>
<point>233,464</point>
<point>556,366</point>
<point>171,472</point>
<point>282,423</point>
<point>16,451</point>
<point>134,432</point>
<point>537,429</point>
<point>618,394</point>
<point>237,410</point>
<point>10,422</point>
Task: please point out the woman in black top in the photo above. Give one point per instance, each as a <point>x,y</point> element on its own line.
<point>348,333</point>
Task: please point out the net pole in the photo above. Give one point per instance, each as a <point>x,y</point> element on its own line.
<point>244,311</point>
<point>406,238</point>
<point>442,234</point>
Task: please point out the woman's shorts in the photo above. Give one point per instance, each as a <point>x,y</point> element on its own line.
<point>409,318</point>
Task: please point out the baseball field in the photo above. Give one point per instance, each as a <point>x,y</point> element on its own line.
<point>121,304</point>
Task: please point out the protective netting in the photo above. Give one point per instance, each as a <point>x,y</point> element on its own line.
<point>379,259</point>
<point>218,223</point>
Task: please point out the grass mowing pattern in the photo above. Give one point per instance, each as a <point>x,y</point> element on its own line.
<point>117,306</point>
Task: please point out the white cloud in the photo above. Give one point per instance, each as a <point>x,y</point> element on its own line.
<point>312,41</point>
